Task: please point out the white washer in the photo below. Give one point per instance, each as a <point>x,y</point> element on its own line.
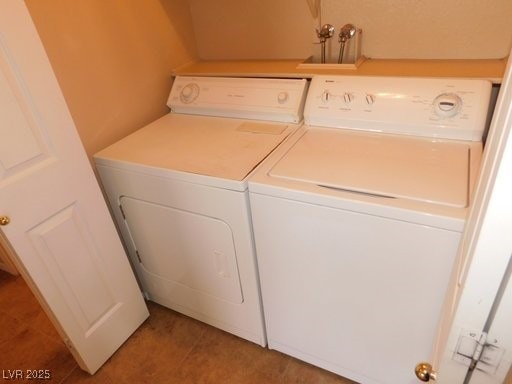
<point>178,191</point>
<point>358,216</point>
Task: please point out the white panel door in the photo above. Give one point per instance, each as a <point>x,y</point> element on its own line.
<point>478,310</point>
<point>63,237</point>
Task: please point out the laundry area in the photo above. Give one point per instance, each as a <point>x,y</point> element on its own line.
<point>322,181</point>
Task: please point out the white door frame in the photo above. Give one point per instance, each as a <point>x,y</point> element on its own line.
<point>485,252</point>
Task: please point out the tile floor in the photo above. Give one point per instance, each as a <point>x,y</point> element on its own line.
<point>167,348</point>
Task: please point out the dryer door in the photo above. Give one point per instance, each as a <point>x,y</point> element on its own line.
<point>182,254</point>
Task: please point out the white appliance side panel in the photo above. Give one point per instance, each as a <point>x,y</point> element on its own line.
<point>243,319</point>
<point>359,295</point>
<point>184,249</point>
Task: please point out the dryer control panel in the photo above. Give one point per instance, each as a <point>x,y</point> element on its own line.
<point>431,107</point>
<point>249,98</point>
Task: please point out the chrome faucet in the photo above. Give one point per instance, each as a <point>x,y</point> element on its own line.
<point>323,34</point>
<point>346,33</point>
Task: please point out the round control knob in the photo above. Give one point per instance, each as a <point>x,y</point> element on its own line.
<point>348,97</point>
<point>282,97</point>
<point>189,93</point>
<point>325,96</point>
<point>370,99</point>
<point>447,104</point>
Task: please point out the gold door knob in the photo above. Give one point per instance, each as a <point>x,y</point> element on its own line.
<point>424,372</point>
<point>4,220</point>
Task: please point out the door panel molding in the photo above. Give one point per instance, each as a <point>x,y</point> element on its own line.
<point>26,144</point>
<point>73,266</point>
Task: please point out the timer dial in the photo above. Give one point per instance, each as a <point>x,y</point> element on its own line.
<point>447,104</point>
<point>189,93</point>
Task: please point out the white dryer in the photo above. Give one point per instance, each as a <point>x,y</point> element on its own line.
<point>178,191</point>
<point>358,216</point>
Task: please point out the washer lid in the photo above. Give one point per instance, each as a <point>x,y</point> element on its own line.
<point>211,146</point>
<point>380,164</point>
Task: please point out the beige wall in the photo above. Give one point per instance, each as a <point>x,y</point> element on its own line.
<point>427,29</point>
<point>253,29</point>
<point>257,29</point>
<point>113,59</point>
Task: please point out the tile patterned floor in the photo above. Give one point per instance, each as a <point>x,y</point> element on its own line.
<point>167,348</point>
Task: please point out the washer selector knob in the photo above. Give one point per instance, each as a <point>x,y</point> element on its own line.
<point>348,97</point>
<point>325,96</point>
<point>189,93</point>
<point>447,104</point>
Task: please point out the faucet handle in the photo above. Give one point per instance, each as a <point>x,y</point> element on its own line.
<point>326,32</point>
<point>346,33</point>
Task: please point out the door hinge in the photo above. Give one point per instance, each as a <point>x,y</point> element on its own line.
<point>480,347</point>
<point>478,350</point>
<point>68,344</point>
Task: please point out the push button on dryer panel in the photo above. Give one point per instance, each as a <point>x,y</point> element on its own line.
<point>282,97</point>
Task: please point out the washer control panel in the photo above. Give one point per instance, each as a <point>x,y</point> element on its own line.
<point>250,98</point>
<point>431,107</point>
